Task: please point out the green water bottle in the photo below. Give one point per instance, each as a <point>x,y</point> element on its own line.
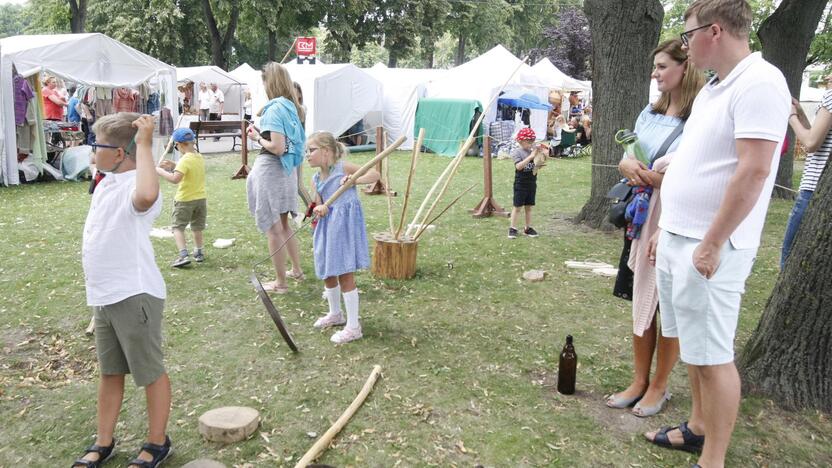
<point>629,140</point>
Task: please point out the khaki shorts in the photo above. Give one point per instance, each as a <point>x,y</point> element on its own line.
<point>128,338</point>
<point>191,212</point>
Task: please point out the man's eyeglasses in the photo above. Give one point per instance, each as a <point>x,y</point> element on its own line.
<point>95,146</point>
<point>685,36</point>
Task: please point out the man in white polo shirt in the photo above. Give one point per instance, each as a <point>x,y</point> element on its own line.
<point>714,200</point>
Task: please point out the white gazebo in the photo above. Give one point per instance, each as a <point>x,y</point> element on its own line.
<point>87,59</point>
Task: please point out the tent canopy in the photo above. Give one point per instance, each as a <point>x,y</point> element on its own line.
<point>558,79</point>
<point>230,86</point>
<point>524,100</point>
<point>447,123</point>
<point>480,79</point>
<point>403,87</point>
<point>89,59</point>
<point>337,96</point>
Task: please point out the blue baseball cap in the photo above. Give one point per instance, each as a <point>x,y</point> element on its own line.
<point>183,135</point>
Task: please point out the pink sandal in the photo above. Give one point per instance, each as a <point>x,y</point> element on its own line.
<point>295,276</point>
<point>329,320</point>
<point>272,286</point>
<point>346,335</point>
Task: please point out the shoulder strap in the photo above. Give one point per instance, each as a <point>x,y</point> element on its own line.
<point>669,141</point>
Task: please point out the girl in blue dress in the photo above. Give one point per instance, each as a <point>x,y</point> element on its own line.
<point>340,237</point>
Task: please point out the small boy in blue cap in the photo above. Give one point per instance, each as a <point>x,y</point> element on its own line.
<point>189,204</point>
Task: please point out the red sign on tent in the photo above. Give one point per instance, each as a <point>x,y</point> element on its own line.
<point>305,46</point>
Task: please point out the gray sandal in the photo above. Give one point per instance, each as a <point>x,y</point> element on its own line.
<point>647,411</point>
<point>615,401</point>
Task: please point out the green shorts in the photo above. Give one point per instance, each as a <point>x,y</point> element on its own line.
<point>191,212</point>
<point>128,338</point>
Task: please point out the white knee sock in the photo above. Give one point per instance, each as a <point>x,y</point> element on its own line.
<point>333,297</point>
<point>351,303</point>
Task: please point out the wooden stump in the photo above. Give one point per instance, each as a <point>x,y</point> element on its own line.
<point>394,259</point>
<point>229,424</point>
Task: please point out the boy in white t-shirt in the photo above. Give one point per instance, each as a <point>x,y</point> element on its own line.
<point>124,285</point>
<point>714,200</point>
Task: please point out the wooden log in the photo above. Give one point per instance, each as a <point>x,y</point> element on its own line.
<point>394,258</point>
<point>322,443</point>
<point>229,424</point>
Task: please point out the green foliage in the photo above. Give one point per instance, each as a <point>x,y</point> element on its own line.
<point>821,49</point>
<point>47,17</point>
<point>674,23</point>
<point>152,26</point>
<point>12,20</point>
<point>479,25</point>
<point>348,23</point>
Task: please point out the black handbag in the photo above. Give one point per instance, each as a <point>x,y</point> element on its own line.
<point>621,194</point>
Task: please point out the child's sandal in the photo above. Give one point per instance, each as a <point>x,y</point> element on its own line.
<point>160,453</point>
<point>104,454</point>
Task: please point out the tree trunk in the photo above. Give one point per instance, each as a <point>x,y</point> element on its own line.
<point>392,60</point>
<point>460,50</point>
<point>220,43</point>
<point>789,356</point>
<point>623,34</point>
<point>78,18</point>
<point>786,36</point>
<point>272,46</point>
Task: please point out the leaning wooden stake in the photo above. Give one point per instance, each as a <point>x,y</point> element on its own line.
<point>452,203</point>
<point>91,327</point>
<point>386,166</point>
<point>363,169</point>
<point>413,159</point>
<point>322,443</point>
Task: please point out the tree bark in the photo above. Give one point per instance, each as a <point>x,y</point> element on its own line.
<point>220,43</point>
<point>623,34</point>
<point>786,36</point>
<point>272,52</point>
<point>460,50</point>
<point>789,356</point>
<point>78,18</point>
<point>392,60</point>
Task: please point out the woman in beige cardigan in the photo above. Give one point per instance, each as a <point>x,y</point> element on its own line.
<point>679,83</point>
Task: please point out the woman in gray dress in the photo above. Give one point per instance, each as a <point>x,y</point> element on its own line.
<point>272,185</point>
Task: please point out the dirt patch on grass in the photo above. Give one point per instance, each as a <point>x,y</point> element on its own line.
<point>43,359</point>
<point>617,422</point>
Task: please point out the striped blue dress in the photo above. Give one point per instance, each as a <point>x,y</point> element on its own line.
<point>340,238</point>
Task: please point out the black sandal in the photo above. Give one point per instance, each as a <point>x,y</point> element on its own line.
<point>691,442</point>
<point>160,453</point>
<point>104,454</point>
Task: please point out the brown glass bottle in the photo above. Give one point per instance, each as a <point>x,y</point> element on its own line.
<point>567,366</point>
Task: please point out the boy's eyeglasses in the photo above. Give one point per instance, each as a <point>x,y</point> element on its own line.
<point>95,146</point>
<point>685,36</point>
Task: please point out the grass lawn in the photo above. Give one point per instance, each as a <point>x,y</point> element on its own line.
<point>468,350</point>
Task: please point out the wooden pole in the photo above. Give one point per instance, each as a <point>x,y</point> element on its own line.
<point>380,186</point>
<point>289,51</point>
<point>243,171</point>
<point>413,159</point>
<point>487,206</point>
<point>321,444</point>
<point>386,166</point>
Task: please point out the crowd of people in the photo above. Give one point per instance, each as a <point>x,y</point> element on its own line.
<point>699,206</point>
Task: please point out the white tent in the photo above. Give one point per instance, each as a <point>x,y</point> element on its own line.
<point>88,59</point>
<point>558,79</point>
<point>230,86</point>
<point>402,89</point>
<point>336,96</point>
<point>482,77</point>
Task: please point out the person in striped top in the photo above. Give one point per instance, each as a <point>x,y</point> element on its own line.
<point>817,139</point>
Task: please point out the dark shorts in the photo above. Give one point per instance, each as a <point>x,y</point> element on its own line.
<point>128,338</point>
<point>192,212</point>
<point>525,188</point>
